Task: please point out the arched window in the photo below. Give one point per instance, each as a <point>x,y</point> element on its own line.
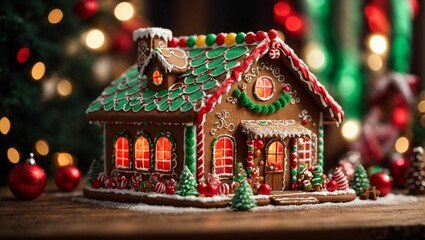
<point>264,88</point>
<point>157,77</point>
<point>275,153</point>
<point>163,151</point>
<point>304,151</point>
<point>122,153</point>
<point>224,151</point>
<point>142,153</point>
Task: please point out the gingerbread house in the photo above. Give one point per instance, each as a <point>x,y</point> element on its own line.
<point>211,101</point>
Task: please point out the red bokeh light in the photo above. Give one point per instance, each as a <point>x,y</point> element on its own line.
<point>293,24</point>
<point>281,9</point>
<point>23,55</point>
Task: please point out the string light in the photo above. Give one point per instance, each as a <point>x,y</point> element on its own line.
<point>64,88</point>
<point>63,159</point>
<point>13,155</point>
<point>374,61</point>
<point>55,16</point>
<point>378,44</point>
<point>402,145</point>
<point>42,147</point>
<point>281,9</point>
<point>351,130</point>
<point>23,55</point>
<point>124,11</point>
<point>4,125</point>
<point>38,70</point>
<point>95,39</point>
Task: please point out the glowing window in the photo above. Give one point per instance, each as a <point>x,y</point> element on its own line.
<point>157,77</point>
<point>163,154</point>
<point>264,88</point>
<point>304,151</point>
<point>223,156</point>
<point>121,153</point>
<point>142,153</point>
<point>275,156</point>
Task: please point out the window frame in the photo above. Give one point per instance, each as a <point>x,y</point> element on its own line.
<point>122,159</point>
<point>302,152</point>
<point>155,77</point>
<point>232,157</point>
<point>172,160</point>
<point>264,87</point>
<point>143,135</point>
<point>275,154</point>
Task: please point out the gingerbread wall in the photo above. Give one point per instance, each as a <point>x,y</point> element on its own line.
<point>227,115</point>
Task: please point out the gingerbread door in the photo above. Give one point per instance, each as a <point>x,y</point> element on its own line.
<point>275,164</point>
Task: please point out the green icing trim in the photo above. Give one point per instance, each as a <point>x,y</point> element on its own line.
<point>161,93</point>
<point>127,107</point>
<point>218,71</point>
<point>162,107</point>
<point>120,95</point>
<point>161,101</point>
<point>210,84</point>
<point>196,96</point>
<point>189,80</point>
<point>247,102</point>
<point>148,94</point>
<point>150,107</point>
<point>236,52</point>
<point>108,99</point>
<point>95,106</point>
<point>134,102</point>
<point>109,90</point>
<point>176,103</point>
<point>175,93</point>
<point>192,88</point>
<point>122,86</point>
<point>198,62</point>
<point>213,53</point>
<point>186,107</point>
<point>137,107</point>
<point>195,52</point>
<point>203,78</point>
<point>109,105</point>
<point>190,142</point>
<point>133,90</point>
<point>231,65</point>
<point>199,70</point>
<point>120,104</point>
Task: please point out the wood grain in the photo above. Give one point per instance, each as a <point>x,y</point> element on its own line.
<point>54,216</point>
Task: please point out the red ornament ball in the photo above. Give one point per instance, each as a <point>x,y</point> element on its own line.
<point>382,182</point>
<point>332,186</point>
<point>96,184</point>
<point>264,189</point>
<point>174,42</point>
<point>122,42</point>
<point>67,178</point>
<point>170,190</point>
<point>86,8</point>
<point>272,34</point>
<point>220,39</point>
<point>27,180</point>
<point>399,169</point>
<point>201,188</point>
<point>211,190</point>
<point>23,55</point>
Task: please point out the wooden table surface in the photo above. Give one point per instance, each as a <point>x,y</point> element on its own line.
<point>58,216</point>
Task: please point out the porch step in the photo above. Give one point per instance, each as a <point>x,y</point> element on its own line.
<point>284,200</point>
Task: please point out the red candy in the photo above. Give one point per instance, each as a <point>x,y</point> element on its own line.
<point>332,186</point>
<point>174,42</point>
<point>260,36</point>
<point>264,189</point>
<point>250,38</point>
<point>272,34</point>
<point>211,190</point>
<point>183,42</point>
<point>201,188</point>
<point>96,184</point>
<point>220,39</point>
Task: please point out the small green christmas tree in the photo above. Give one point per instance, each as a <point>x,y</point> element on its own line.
<point>187,183</point>
<point>244,198</point>
<point>96,167</point>
<point>359,182</point>
<point>317,178</point>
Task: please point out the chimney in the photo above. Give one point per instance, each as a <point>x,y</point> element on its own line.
<point>148,39</point>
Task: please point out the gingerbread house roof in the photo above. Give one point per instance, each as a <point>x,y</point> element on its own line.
<point>211,69</point>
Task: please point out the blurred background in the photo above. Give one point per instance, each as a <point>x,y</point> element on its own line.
<point>57,56</point>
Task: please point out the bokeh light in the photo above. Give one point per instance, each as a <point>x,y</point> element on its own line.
<point>124,11</point>
<point>4,125</point>
<point>421,106</point>
<point>293,24</point>
<point>42,147</point>
<point>38,70</point>
<point>281,9</point>
<point>95,39</point>
<point>314,57</point>
<point>13,155</point>
<point>351,130</point>
<point>55,16</point>
<point>23,55</point>
<point>374,61</point>
<point>64,88</point>
<point>63,159</point>
<point>402,145</point>
<point>378,44</point>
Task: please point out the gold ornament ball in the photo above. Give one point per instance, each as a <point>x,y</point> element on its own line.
<point>261,163</point>
<point>257,152</point>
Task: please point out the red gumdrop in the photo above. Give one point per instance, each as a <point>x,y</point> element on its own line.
<point>96,184</point>
<point>183,42</point>
<point>174,42</point>
<point>250,38</point>
<point>260,36</point>
<point>201,188</point>
<point>272,34</point>
<point>220,39</point>
<point>170,190</point>
<point>286,88</point>
<point>332,186</point>
<point>211,190</point>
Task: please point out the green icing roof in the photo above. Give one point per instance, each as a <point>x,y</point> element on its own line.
<point>130,93</point>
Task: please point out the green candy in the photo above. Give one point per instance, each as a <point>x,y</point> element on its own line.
<point>191,41</point>
<point>210,39</point>
<point>240,38</point>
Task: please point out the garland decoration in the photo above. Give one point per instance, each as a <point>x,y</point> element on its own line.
<point>190,142</point>
<point>247,102</point>
<point>294,163</point>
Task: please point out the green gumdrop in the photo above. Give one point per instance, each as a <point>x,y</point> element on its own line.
<point>287,97</point>
<point>272,109</point>
<point>293,172</point>
<point>277,105</point>
<point>191,41</point>
<point>250,105</point>
<point>282,102</point>
<point>257,108</point>
<point>237,93</point>
<point>264,109</point>
<point>190,151</point>
<point>243,99</point>
<point>240,38</point>
<point>210,39</point>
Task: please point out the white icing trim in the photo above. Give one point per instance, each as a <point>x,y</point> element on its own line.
<point>152,32</point>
